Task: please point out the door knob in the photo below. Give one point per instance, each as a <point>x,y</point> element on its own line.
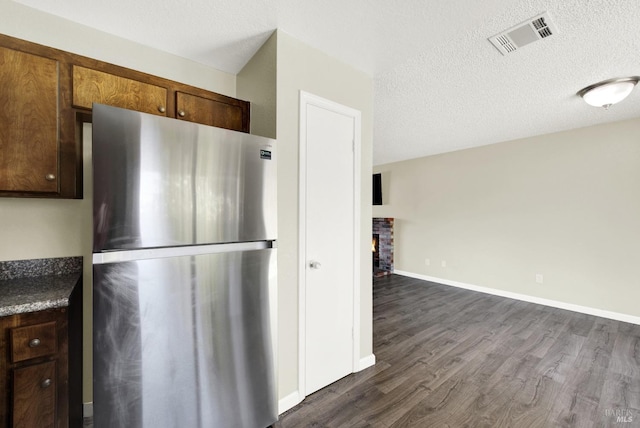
<point>314,264</point>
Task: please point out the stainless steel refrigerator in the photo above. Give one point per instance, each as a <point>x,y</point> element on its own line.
<point>184,271</point>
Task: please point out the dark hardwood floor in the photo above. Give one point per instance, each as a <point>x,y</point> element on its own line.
<point>448,357</point>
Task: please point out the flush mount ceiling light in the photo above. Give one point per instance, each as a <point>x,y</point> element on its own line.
<point>608,92</point>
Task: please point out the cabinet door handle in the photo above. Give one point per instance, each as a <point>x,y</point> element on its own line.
<point>45,383</point>
<point>181,113</point>
<point>50,177</point>
<point>34,343</point>
<point>162,109</point>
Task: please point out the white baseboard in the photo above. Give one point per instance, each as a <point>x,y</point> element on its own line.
<point>366,362</point>
<point>526,298</point>
<point>87,410</point>
<point>293,399</point>
<point>289,402</point>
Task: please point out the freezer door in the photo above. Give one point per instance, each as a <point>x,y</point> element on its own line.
<point>185,342</point>
<point>161,182</point>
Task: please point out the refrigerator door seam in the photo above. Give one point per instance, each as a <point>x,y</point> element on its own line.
<point>191,250</point>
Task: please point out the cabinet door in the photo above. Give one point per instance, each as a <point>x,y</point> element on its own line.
<point>209,112</point>
<point>91,86</point>
<point>34,396</point>
<point>28,122</point>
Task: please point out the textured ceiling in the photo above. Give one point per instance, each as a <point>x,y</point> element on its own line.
<point>439,85</point>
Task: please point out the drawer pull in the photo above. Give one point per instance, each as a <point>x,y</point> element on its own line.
<point>162,109</point>
<point>181,113</point>
<point>45,383</point>
<point>33,341</point>
<point>50,177</point>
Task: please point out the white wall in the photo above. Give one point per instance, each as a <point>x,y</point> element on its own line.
<point>43,228</point>
<point>301,67</point>
<point>272,81</point>
<point>564,205</point>
<point>257,82</point>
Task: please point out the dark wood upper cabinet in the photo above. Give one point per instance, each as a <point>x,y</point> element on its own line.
<point>28,123</point>
<point>209,111</point>
<point>47,93</point>
<point>91,86</point>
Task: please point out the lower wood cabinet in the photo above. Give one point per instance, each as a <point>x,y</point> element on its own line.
<point>34,370</point>
<point>34,395</point>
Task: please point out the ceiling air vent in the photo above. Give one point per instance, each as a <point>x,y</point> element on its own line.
<point>532,30</point>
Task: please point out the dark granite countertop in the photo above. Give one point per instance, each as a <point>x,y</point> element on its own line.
<point>36,285</point>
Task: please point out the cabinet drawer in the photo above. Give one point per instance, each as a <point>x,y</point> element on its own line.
<point>33,341</point>
<point>34,396</point>
<point>91,86</point>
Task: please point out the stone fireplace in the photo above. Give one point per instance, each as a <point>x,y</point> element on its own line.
<point>382,246</point>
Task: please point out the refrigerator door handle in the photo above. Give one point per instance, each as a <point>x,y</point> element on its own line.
<point>191,250</point>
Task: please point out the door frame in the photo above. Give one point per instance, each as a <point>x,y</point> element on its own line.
<point>307,99</point>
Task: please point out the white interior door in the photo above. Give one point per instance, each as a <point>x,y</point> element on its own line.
<point>329,243</point>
